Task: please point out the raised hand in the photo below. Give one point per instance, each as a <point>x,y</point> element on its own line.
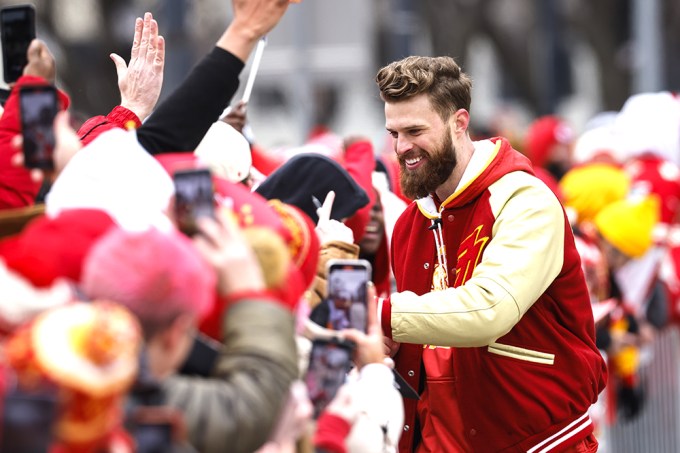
<point>141,80</point>
<point>222,244</point>
<point>236,117</point>
<point>329,229</point>
<point>370,344</point>
<point>252,20</point>
<point>67,144</point>
<point>40,61</point>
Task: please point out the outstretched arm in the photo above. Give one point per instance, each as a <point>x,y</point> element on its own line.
<point>181,121</point>
<point>141,80</point>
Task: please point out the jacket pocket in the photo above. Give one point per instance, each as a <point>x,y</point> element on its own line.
<point>528,355</point>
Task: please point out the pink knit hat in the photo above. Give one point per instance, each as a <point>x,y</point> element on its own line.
<point>153,273</point>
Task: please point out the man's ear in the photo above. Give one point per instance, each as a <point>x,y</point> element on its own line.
<point>459,121</point>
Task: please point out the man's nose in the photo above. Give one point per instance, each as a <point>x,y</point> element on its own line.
<point>402,145</point>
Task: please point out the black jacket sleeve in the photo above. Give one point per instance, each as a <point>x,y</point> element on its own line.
<point>180,122</point>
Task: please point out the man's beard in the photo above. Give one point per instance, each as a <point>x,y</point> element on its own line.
<point>431,174</point>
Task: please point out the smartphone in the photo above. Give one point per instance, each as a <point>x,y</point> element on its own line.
<point>155,429</point>
<point>27,421</point>
<point>347,294</point>
<point>38,107</point>
<point>153,438</point>
<point>202,357</point>
<point>17,28</point>
<point>194,198</point>
<point>329,362</point>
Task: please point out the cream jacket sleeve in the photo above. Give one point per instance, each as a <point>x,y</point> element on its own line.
<point>524,255</point>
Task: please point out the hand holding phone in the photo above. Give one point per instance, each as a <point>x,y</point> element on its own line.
<point>156,428</point>
<point>347,294</point>
<point>329,363</point>
<point>194,198</point>
<point>17,28</point>
<point>38,107</point>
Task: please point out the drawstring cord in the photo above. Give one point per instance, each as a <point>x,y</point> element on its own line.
<point>436,228</point>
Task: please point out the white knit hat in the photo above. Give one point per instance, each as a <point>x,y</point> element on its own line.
<point>115,174</point>
<point>650,122</point>
<point>226,151</point>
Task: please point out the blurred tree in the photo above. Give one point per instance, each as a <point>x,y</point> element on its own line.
<point>605,25</point>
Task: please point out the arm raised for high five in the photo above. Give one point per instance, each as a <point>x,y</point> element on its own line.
<point>180,122</point>
<point>139,81</point>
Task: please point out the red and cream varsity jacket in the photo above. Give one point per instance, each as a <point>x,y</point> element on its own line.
<point>496,329</point>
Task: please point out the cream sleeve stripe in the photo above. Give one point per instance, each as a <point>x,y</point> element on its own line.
<point>523,257</point>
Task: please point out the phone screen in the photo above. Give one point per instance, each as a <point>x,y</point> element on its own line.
<point>18,30</point>
<point>329,363</point>
<point>38,107</point>
<point>347,294</point>
<point>153,437</point>
<point>194,198</point>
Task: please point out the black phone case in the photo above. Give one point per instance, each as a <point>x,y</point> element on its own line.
<point>17,29</point>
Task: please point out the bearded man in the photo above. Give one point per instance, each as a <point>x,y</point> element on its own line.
<point>492,321</point>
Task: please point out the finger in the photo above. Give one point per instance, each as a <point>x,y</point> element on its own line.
<point>34,50</point>
<point>153,42</point>
<point>146,32</point>
<point>324,212</point>
<point>159,60</point>
<point>121,66</point>
<point>139,24</point>
<point>210,229</point>
<point>230,227</point>
<point>372,305</point>
<point>241,107</point>
<point>44,52</point>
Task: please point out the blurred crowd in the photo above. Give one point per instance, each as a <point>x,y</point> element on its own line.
<point>122,333</point>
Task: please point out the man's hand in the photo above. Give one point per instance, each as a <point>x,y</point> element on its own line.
<point>252,20</point>
<point>40,61</point>
<point>222,244</point>
<point>370,344</point>
<point>141,80</point>
<point>328,229</point>
<point>236,117</point>
<point>390,347</point>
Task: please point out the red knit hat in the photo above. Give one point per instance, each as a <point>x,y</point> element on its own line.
<point>155,274</point>
<point>49,248</point>
<point>543,133</point>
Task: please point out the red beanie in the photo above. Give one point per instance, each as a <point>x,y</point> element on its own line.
<point>49,248</point>
<point>543,133</point>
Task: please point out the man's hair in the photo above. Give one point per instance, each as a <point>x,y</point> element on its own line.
<point>447,86</point>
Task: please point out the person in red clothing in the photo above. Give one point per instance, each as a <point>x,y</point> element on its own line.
<point>492,321</point>
<point>17,189</point>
